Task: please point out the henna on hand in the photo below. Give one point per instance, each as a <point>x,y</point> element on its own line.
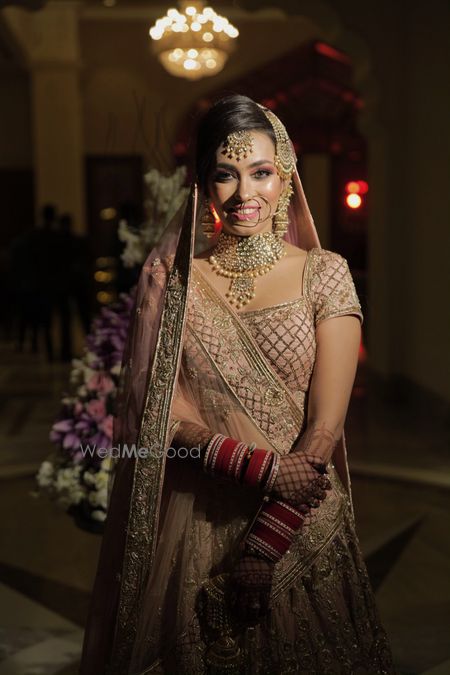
<point>300,481</point>
<point>301,477</point>
<point>251,582</point>
<point>190,435</point>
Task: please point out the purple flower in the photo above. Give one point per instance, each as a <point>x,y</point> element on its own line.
<point>87,419</point>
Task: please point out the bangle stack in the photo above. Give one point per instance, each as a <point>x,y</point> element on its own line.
<point>247,465</point>
<point>273,530</point>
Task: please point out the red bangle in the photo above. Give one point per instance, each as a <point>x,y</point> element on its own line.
<point>274,529</point>
<point>224,457</point>
<point>229,458</point>
<point>257,467</point>
<point>272,475</point>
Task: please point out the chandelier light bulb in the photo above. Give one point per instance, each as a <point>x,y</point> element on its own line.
<point>194,42</point>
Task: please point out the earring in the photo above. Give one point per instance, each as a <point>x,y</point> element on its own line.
<point>208,221</point>
<point>281,219</point>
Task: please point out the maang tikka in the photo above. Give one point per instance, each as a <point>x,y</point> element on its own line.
<point>285,166</point>
<point>237,145</point>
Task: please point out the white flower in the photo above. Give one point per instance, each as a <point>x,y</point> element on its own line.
<point>90,357</point>
<point>99,498</point>
<point>68,487</point>
<point>98,515</point>
<point>166,195</point>
<point>45,475</point>
<point>82,391</point>
<point>81,371</point>
<point>88,478</point>
<point>107,464</point>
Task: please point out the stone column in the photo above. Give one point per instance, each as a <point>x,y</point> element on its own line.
<point>49,40</point>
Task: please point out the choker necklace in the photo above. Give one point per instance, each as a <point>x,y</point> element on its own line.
<point>243,259</point>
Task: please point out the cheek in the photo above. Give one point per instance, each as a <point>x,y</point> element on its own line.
<point>271,188</point>
<point>221,192</point>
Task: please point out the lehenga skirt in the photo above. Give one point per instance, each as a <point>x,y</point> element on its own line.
<point>323,623</point>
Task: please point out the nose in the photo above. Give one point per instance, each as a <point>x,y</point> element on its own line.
<point>243,190</point>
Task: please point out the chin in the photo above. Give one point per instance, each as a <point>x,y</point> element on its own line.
<point>246,230</point>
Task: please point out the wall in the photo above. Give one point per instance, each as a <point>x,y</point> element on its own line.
<point>15,126</point>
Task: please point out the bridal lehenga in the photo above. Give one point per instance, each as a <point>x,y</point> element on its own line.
<point>172,534</point>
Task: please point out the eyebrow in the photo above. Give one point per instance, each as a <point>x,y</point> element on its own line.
<point>225,165</point>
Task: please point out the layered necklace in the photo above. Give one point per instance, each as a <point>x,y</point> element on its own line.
<point>242,259</point>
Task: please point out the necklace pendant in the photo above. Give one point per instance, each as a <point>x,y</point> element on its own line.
<point>243,259</point>
<point>242,290</point>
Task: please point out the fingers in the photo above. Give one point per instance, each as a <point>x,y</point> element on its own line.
<point>320,467</point>
<point>249,603</point>
<point>250,606</point>
<point>303,508</point>
<point>325,483</point>
<point>315,493</point>
<point>252,612</point>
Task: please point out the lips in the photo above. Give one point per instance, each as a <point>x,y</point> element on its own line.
<point>249,213</point>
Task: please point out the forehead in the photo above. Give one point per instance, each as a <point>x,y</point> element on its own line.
<point>263,148</point>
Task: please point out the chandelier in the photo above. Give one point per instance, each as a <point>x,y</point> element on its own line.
<point>194,42</point>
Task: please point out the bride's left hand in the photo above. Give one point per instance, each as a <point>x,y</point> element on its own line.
<point>251,585</point>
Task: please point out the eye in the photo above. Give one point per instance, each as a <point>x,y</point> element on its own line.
<point>223,176</point>
<point>262,173</point>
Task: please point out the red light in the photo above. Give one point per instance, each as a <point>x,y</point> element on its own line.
<point>363,187</point>
<point>351,187</point>
<point>359,187</point>
<point>327,50</point>
<point>353,200</point>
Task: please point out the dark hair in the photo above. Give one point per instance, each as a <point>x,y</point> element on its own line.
<point>229,114</point>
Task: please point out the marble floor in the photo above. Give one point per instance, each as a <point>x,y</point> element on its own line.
<point>399,462</point>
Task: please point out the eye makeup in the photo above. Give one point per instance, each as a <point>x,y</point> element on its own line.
<point>222,176</point>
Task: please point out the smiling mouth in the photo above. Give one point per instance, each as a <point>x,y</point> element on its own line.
<point>249,213</point>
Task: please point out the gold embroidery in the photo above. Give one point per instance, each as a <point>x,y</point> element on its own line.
<point>148,472</point>
<point>331,286</point>
<point>234,353</point>
<point>314,625</point>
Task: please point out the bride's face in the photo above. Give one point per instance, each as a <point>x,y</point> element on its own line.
<point>245,192</point>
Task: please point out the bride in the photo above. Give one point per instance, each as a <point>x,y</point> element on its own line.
<point>230,542</point>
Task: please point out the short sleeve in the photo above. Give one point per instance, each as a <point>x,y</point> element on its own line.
<point>332,288</point>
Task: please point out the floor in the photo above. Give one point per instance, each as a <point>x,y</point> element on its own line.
<point>401,492</point>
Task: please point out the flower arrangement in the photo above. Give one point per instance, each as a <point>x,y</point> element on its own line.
<point>75,475</point>
<point>165,196</point>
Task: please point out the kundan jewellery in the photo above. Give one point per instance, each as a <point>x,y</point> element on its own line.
<point>238,144</point>
<point>281,217</point>
<point>243,259</point>
<point>208,220</point>
<point>285,164</point>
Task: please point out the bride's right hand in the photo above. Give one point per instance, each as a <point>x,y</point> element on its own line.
<point>251,587</point>
<point>301,480</point>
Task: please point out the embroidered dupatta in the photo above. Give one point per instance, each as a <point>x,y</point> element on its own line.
<point>134,571</point>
